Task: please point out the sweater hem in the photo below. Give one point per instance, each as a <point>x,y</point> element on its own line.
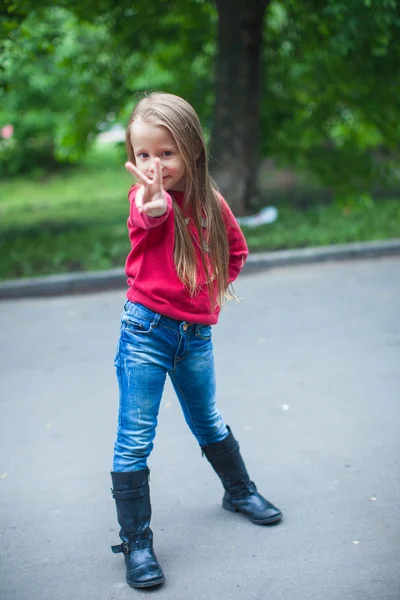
<point>167,310</point>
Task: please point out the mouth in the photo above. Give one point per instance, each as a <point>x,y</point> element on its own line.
<point>164,178</point>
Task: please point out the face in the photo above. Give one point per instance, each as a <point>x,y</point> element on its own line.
<point>151,141</point>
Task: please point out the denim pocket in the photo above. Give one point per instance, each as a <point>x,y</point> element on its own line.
<point>135,324</point>
<point>203,331</point>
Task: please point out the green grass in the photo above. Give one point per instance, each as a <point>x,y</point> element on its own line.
<point>323,225</point>
<point>92,193</point>
<point>76,221</point>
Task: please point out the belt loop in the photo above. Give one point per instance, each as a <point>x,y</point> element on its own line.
<point>156,320</point>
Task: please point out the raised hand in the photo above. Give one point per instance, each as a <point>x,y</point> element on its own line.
<point>150,198</point>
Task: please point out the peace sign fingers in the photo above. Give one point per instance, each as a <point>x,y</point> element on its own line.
<point>150,198</point>
<point>157,174</point>
<point>137,173</point>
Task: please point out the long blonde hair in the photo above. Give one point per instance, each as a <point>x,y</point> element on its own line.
<point>201,198</point>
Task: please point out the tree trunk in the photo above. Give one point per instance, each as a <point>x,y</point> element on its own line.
<point>235,140</point>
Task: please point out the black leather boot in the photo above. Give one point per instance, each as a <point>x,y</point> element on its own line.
<point>240,493</point>
<point>132,498</point>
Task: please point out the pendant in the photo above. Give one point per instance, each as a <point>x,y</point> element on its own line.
<point>203,222</point>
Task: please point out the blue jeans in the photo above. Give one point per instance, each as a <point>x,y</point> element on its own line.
<point>150,346</point>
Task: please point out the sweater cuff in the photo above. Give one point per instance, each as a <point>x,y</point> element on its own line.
<point>145,221</point>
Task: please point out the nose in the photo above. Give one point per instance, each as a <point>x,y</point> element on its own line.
<point>150,169</point>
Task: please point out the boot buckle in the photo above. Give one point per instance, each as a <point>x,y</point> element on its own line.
<point>124,548</point>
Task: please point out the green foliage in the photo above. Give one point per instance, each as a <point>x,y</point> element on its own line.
<point>330,105</point>
<point>76,221</point>
<point>53,91</point>
<point>103,244</point>
<point>323,225</point>
<point>63,80</point>
<point>332,101</point>
<point>96,190</point>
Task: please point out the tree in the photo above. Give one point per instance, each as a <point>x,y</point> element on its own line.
<point>100,62</point>
<point>331,103</point>
<point>47,76</point>
<point>312,84</point>
<point>236,132</point>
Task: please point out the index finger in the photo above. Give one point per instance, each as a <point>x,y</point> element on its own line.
<point>157,171</point>
<point>137,173</point>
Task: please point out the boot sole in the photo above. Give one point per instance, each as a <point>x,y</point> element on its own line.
<point>146,584</point>
<point>231,508</point>
<point>270,521</point>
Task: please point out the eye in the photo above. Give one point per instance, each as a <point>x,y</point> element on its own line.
<point>143,155</point>
<point>167,153</point>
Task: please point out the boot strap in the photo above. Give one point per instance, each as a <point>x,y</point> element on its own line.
<point>128,547</point>
<point>130,494</point>
<point>143,540</point>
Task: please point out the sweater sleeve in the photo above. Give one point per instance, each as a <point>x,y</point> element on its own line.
<point>142,220</point>
<point>238,251</point>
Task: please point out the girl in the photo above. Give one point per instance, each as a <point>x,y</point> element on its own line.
<point>186,249</point>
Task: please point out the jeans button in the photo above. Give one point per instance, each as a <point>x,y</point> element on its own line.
<point>185,326</point>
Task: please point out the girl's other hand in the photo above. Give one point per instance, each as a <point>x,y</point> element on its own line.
<point>150,198</point>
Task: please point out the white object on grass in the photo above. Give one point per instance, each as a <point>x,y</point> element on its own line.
<point>267,215</point>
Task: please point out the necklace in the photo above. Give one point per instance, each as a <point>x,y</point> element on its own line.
<point>203,222</point>
<point>204,245</point>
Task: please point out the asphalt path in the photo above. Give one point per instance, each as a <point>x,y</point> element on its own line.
<point>308,367</point>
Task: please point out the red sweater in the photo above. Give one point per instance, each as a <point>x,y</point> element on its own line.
<point>150,267</point>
